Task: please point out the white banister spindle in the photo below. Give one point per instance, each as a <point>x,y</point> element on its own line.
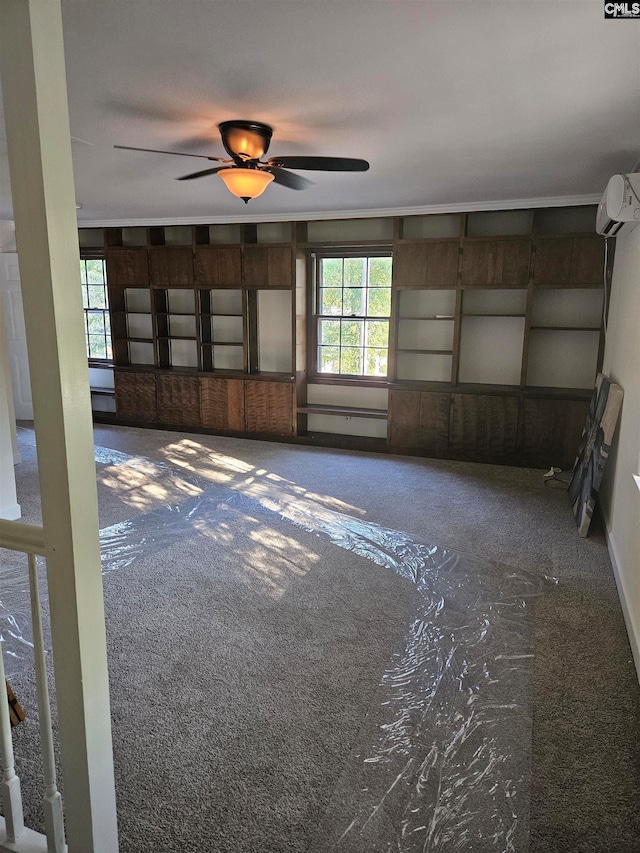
<point>10,785</point>
<point>53,815</point>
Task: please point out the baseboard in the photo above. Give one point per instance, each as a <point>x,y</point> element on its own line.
<point>633,631</point>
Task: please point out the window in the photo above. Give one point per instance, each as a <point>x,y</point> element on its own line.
<point>97,323</point>
<point>352,309</point>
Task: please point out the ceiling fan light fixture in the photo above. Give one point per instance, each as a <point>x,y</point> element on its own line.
<point>245,183</point>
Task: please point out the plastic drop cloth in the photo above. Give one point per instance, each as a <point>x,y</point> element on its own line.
<point>442,759</point>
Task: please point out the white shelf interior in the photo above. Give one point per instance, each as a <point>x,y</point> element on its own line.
<point>139,326</point>
<point>331,230</point>
<point>426,303</point>
<point>491,350</point>
<point>177,235</point>
<point>437,225</point>
<point>274,232</point>
<point>425,334</point>
<point>228,358</point>
<point>494,302</point>
<point>567,307</point>
<point>227,329</point>
<point>183,353</point>
<point>140,352</point>
<point>226,302</point>
<point>423,367</point>
<point>138,299</point>
<point>134,236</point>
<point>499,223</point>
<point>274,331</point>
<point>182,325</point>
<point>562,359</point>
<point>225,233</point>
<point>181,301</point>
<point>90,238</point>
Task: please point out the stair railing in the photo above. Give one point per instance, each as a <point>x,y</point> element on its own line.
<point>14,836</point>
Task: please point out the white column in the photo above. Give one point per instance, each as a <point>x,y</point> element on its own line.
<point>4,364</point>
<point>16,335</point>
<point>36,113</point>
<point>9,506</point>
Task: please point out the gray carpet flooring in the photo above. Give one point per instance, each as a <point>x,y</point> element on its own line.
<point>248,654</point>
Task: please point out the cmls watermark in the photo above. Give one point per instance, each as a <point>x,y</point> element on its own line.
<point>621,10</point>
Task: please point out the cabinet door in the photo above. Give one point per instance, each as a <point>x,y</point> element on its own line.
<point>501,430</point>
<point>409,266</point>
<point>170,267</point>
<point>587,261</point>
<point>178,400</point>
<point>269,407</point>
<point>484,428</point>
<point>404,418</point>
<point>267,266</point>
<point>431,265</point>
<point>127,267</point>
<point>136,396</point>
<point>434,420</point>
<point>466,431</point>
<point>478,262</point>
<point>550,432</point>
<point>419,419</point>
<point>513,259</point>
<point>552,265</point>
<point>222,404</point>
<point>218,266</point>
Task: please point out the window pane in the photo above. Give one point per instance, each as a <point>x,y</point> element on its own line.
<point>329,332</point>
<point>377,333</point>
<point>375,362</point>
<point>379,272</point>
<point>83,272</point>
<point>352,333</point>
<point>85,297</point>
<point>353,272</point>
<point>97,346</point>
<point>97,297</point>
<point>329,359</point>
<point>379,302</point>
<point>95,322</point>
<point>332,272</point>
<point>331,300</point>
<point>354,301</point>
<point>351,361</point>
<point>95,272</point>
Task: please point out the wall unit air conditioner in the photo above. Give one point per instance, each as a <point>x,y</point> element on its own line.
<point>619,208</point>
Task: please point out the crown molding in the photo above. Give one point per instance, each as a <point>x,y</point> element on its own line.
<point>468,207</point>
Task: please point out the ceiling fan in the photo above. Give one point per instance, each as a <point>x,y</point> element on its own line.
<point>245,174</point>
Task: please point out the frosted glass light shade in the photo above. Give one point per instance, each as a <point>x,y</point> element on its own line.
<point>245,183</point>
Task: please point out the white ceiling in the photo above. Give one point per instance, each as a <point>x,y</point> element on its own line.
<point>456,103</point>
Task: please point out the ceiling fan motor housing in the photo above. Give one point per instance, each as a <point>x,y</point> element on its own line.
<point>245,140</point>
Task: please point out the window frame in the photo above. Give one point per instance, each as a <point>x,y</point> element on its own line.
<point>88,255</point>
<point>314,266</point>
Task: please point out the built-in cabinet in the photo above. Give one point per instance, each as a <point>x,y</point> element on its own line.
<point>495,332</point>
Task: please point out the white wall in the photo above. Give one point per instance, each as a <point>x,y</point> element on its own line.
<point>620,494</point>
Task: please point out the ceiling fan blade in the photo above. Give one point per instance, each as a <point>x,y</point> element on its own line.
<point>322,164</point>
<point>177,153</point>
<point>202,174</point>
<point>288,179</point>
